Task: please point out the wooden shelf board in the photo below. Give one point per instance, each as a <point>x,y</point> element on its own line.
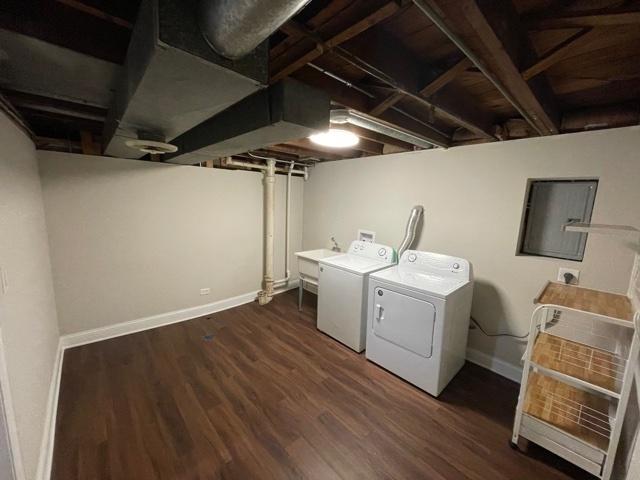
<point>558,404</point>
<point>592,365</point>
<point>587,300</point>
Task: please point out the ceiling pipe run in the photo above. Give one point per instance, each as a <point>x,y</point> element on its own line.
<point>433,15</point>
<point>231,162</point>
<point>234,28</point>
<point>379,126</point>
<point>346,82</point>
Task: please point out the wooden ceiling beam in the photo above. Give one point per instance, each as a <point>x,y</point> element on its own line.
<point>584,19</point>
<point>383,58</point>
<point>387,103</point>
<point>428,90</point>
<point>324,16</point>
<point>96,12</point>
<point>377,55</point>
<point>605,116</point>
<point>560,51</point>
<point>491,29</point>
<point>67,27</point>
<point>445,77</point>
<point>322,46</point>
<point>351,98</point>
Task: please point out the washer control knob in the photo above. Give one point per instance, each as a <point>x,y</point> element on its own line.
<point>382,252</point>
<point>412,257</point>
<point>456,266</point>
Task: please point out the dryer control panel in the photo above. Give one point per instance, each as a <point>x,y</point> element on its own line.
<point>436,264</point>
<point>384,253</point>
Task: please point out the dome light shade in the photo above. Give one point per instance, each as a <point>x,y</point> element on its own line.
<point>335,138</point>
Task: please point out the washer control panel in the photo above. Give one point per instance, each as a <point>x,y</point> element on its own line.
<point>383,253</point>
<point>436,263</point>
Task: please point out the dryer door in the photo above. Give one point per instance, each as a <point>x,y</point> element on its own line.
<point>404,321</point>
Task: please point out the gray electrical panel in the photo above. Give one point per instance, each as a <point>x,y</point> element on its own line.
<point>552,204</point>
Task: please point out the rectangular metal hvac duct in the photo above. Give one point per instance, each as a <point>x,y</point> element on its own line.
<point>286,111</point>
<point>172,80</point>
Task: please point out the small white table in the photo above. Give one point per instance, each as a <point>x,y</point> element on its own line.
<point>308,268</point>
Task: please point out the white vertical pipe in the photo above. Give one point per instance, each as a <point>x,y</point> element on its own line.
<point>287,238</point>
<point>268,180</point>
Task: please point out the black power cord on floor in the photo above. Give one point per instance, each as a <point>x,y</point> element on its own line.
<point>496,334</point>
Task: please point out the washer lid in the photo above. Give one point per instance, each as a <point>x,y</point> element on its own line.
<point>354,263</point>
<point>423,282</point>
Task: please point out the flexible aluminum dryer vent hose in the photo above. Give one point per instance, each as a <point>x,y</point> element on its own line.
<point>412,227</point>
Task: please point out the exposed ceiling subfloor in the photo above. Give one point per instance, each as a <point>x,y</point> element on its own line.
<point>566,66</point>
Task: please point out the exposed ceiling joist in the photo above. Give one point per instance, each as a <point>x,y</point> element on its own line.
<point>355,99</point>
<point>428,90</point>
<point>96,12</point>
<point>378,55</point>
<point>387,103</point>
<point>562,50</point>
<point>445,77</point>
<point>291,28</point>
<point>320,19</point>
<point>574,19</point>
<point>378,62</point>
<point>492,31</point>
<point>67,27</point>
<point>373,60</point>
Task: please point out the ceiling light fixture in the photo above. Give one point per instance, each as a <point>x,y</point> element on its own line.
<point>335,138</point>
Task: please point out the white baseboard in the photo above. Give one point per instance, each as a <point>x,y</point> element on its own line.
<point>125,328</point>
<point>112,331</point>
<point>506,369</point>
<point>48,436</point>
<point>153,321</point>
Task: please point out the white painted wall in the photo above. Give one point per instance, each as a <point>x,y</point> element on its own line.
<point>130,239</point>
<point>473,197</point>
<point>27,308</point>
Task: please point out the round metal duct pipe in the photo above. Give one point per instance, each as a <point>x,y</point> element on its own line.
<point>379,126</point>
<point>234,28</point>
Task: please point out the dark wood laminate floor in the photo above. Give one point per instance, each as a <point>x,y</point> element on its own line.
<point>270,397</point>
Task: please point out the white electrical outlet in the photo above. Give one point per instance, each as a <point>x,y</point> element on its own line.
<point>572,271</point>
<point>205,291</point>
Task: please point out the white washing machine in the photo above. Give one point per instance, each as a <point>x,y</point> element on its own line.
<point>418,318</point>
<point>342,291</point>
